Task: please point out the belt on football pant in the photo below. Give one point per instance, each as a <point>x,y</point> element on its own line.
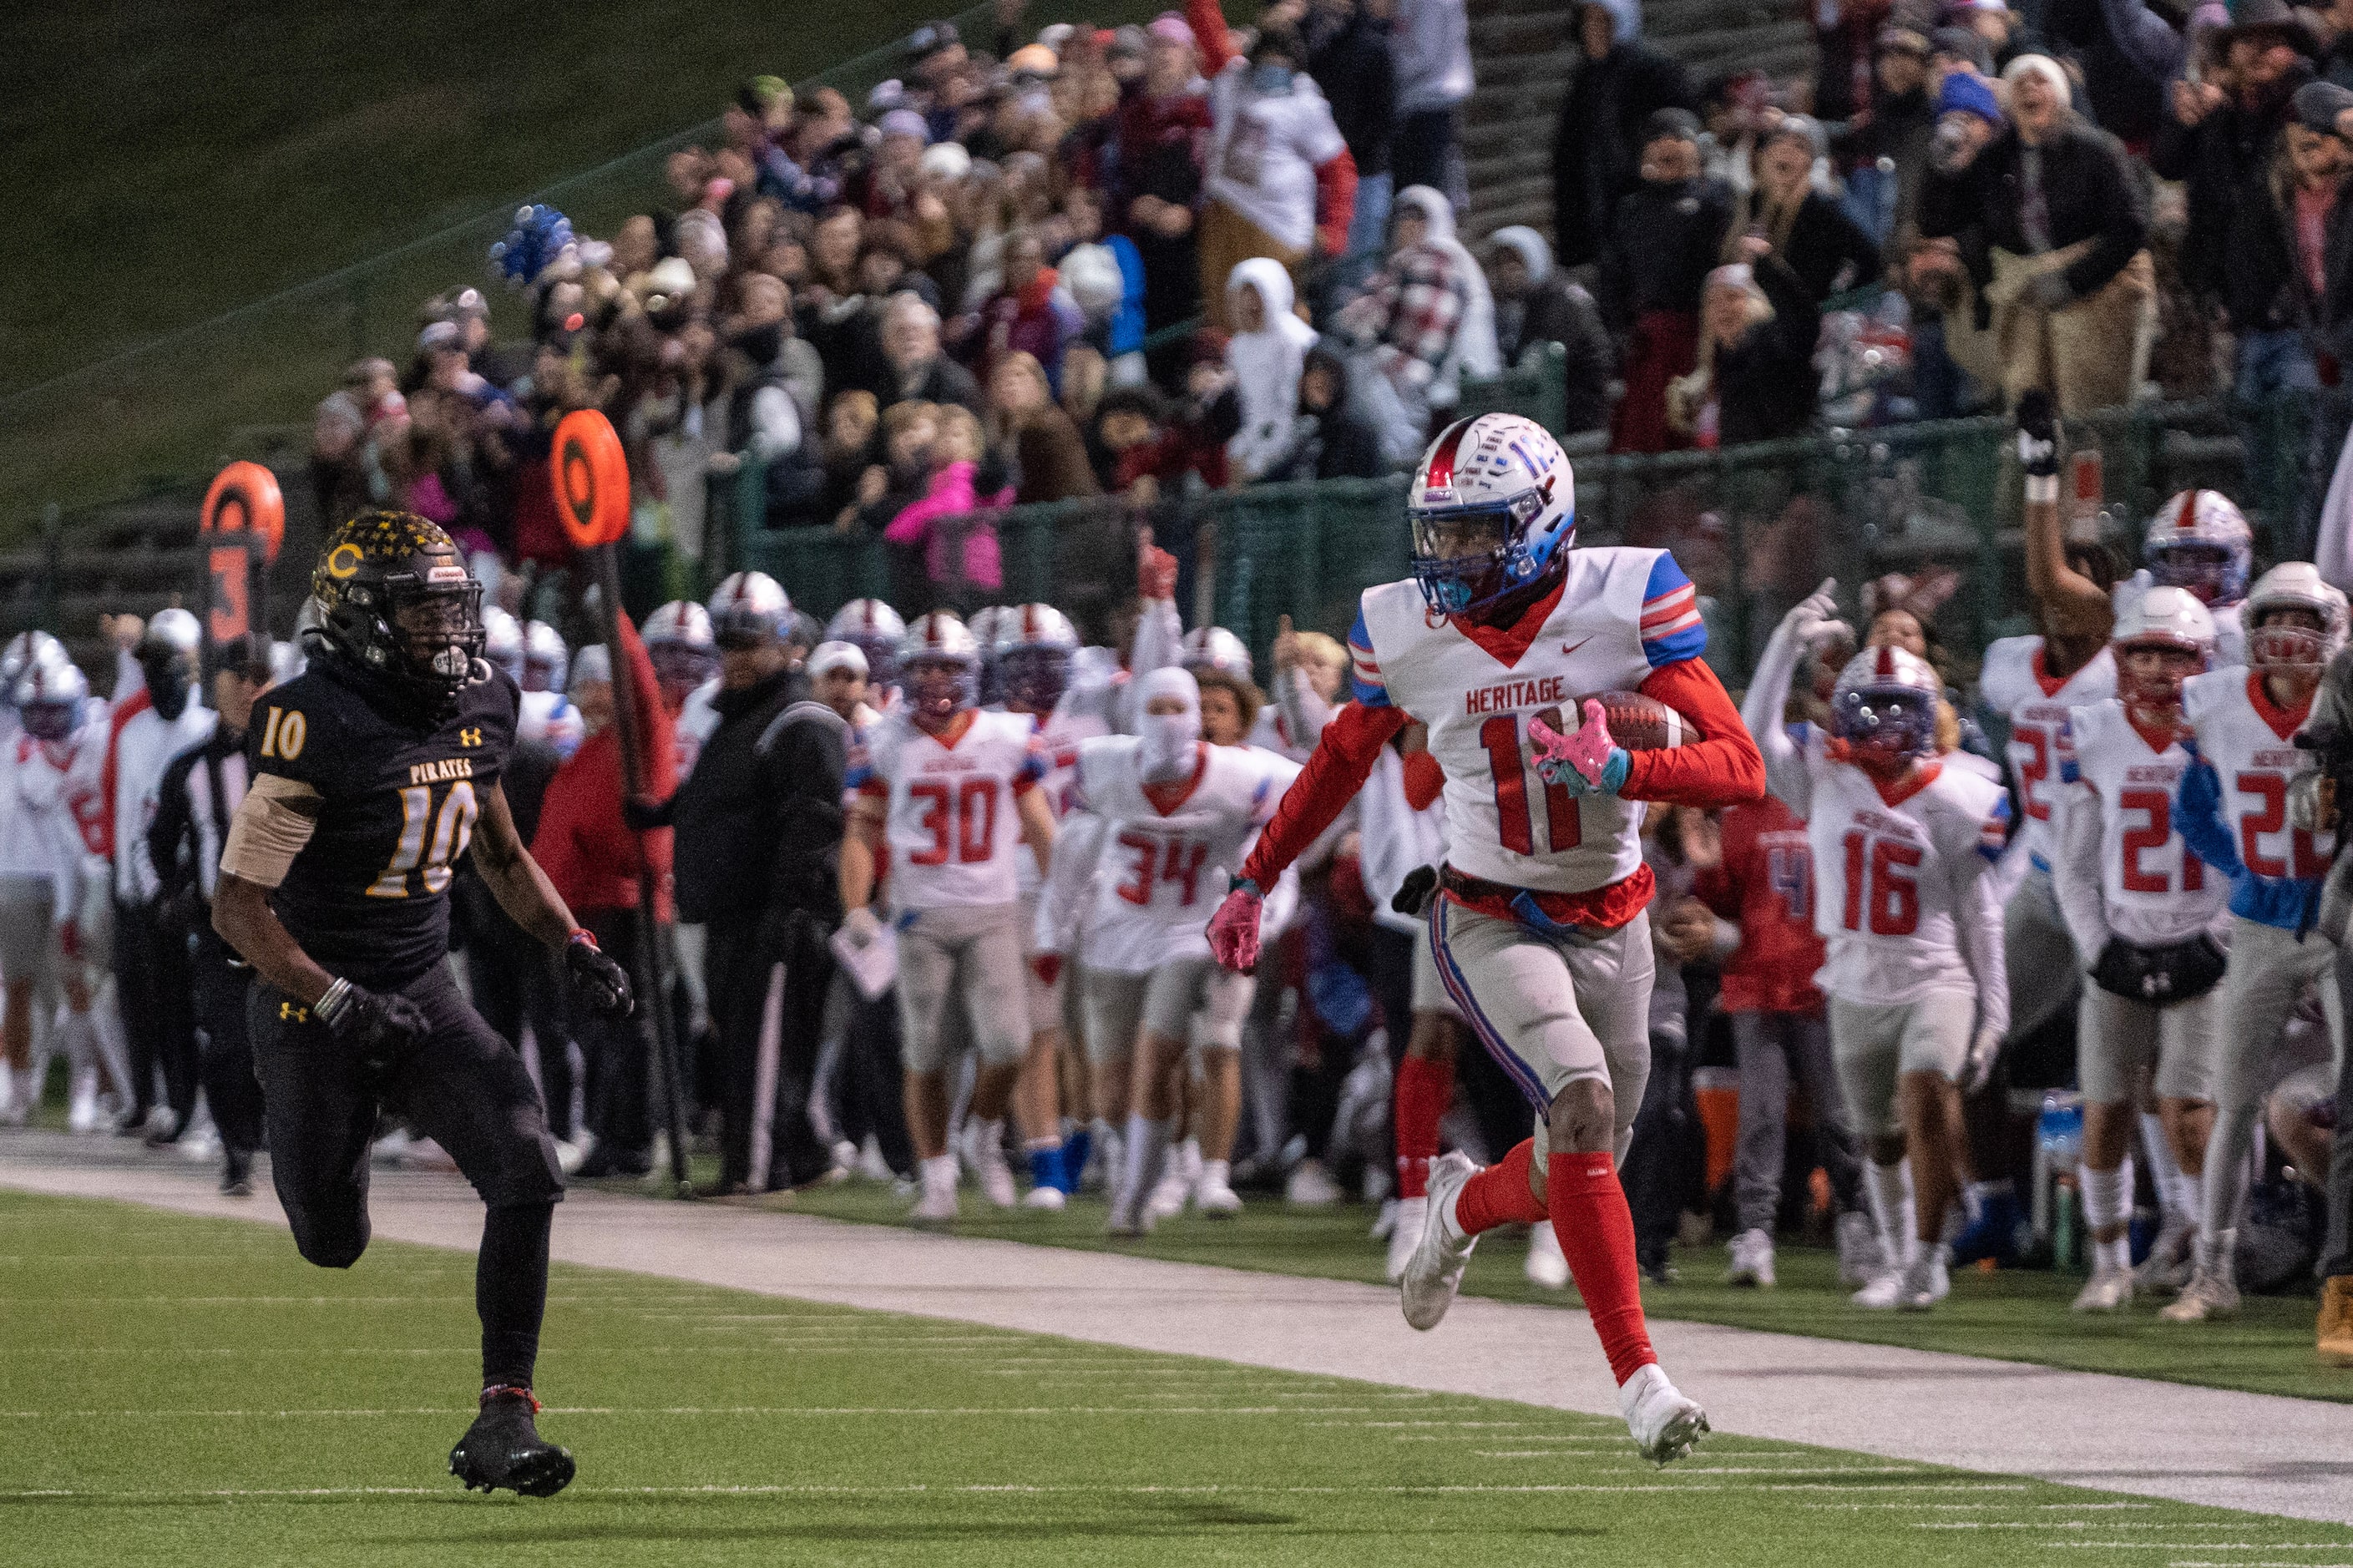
<point>1520,901</point>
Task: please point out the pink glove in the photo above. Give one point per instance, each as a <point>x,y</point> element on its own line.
<point>1233,930</point>
<point>1587,751</point>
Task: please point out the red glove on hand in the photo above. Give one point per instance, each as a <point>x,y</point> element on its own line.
<point>1046,967</point>
<point>1233,930</point>
<point>1156,569</point>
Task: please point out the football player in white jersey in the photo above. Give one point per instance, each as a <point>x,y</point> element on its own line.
<point>2032,682</point>
<point>2232,804</point>
<point>876,630</point>
<point>501,640</point>
<point>679,640</point>
<point>1919,998</point>
<point>1539,927</point>
<point>2148,917</point>
<point>2200,542</point>
<point>950,793</point>
<point>1166,815</point>
<point>1037,647</point>
<point>545,716</point>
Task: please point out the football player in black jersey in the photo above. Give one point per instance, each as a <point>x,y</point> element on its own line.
<point>372,774</point>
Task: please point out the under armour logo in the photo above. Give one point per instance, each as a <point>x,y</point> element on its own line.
<point>470,737</point>
<point>293,1013</point>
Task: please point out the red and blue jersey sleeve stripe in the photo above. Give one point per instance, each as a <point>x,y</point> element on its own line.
<point>1993,836</point>
<point>1364,682</point>
<point>1671,628</point>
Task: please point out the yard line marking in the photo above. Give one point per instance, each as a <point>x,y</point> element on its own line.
<point>688,1410</point>
<point>981,1489</point>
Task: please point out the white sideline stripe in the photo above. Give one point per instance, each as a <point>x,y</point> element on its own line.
<point>1995,1417</point>
<point>685,1410</point>
<point>909,1489</point>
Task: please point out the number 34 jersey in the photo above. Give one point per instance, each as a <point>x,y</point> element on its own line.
<point>1899,876</point>
<point>1168,849</point>
<point>368,895</point>
<point>950,823</point>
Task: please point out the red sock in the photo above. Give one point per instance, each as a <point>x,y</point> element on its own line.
<point>1499,1195</point>
<point>1597,1234</point>
<point>1423,1089</point>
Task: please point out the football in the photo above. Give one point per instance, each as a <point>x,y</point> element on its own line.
<point>1636,723</point>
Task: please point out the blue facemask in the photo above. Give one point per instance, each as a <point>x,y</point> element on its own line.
<point>1269,80</point>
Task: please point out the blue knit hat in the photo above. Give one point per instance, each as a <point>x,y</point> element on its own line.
<point>1971,94</point>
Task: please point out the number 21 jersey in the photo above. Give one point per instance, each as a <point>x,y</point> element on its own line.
<point>368,896</point>
<point>2153,891</point>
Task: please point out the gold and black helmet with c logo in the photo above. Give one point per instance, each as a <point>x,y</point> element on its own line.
<point>395,599</point>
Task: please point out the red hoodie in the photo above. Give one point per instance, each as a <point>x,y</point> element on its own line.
<point>586,850</point>
<point>1766,881</point>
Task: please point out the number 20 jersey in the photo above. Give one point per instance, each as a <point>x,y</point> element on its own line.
<point>1168,850</point>
<point>1894,878</point>
<point>368,897</point>
<point>950,822</point>
<point>2155,892</point>
<point>1620,614</point>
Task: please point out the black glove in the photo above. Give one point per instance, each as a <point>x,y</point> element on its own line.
<point>2157,976</point>
<point>377,1026</point>
<point>1412,896</point>
<point>602,985</point>
<point>645,815</point>
<point>2038,434</point>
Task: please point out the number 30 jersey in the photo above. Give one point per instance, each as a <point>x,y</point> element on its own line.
<point>1900,892</point>
<point>1619,614</point>
<point>368,894</point>
<point>1166,850</point>
<point>2123,869</point>
<point>950,822</point>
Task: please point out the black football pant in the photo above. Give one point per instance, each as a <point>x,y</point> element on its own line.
<point>515,982</point>
<point>768,1141</point>
<point>2336,1250</point>
<point>464,1088</point>
<point>1667,1153</point>
<point>620,1052</point>
<point>155,988</point>
<point>231,1088</point>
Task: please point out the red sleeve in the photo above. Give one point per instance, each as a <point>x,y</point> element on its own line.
<point>1344,759</point>
<point>655,728</point>
<point>1336,202</point>
<point>1210,35</point>
<point>1723,768</point>
<point>1719,887</point>
<point>553,843</point>
<point>137,702</point>
<point>1423,780</point>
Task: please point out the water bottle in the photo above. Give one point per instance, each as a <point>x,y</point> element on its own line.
<point>2058,1148</point>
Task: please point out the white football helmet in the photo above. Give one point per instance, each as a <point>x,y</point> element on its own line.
<point>1883,704</point>
<point>681,623</point>
<point>1035,646</point>
<point>24,650</point>
<point>2293,585</point>
<point>545,660</point>
<point>939,665</point>
<point>2200,541</point>
<point>174,628</point>
<point>2164,618</point>
<point>503,641</point>
<point>1214,647</point>
<point>1492,502</point>
<point>875,629</point>
<point>749,608</point>
<point>50,696</point>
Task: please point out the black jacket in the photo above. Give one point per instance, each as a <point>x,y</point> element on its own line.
<point>1824,240</point>
<point>192,817</point>
<point>1766,385</point>
<point>1354,66</point>
<point>1663,242</point>
<point>759,819</point>
<point>2090,185</point>
<point>2226,159</point>
<point>1557,312</point>
<point>1596,148</point>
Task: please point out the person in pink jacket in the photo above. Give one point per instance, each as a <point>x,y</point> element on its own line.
<point>954,523</point>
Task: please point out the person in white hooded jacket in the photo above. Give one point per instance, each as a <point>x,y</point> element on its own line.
<point>1264,356</point>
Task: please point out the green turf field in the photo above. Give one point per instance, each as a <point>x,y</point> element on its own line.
<point>186,1390</point>
<point>2016,1314</point>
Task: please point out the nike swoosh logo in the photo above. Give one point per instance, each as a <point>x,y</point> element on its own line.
<point>1569,648</point>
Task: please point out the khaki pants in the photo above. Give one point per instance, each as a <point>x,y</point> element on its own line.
<point>2088,356</point>
<point>1226,240</point>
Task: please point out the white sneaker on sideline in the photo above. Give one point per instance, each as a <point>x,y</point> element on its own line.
<point>1665,1424</point>
<point>569,1156</point>
<point>1927,1281</point>
<point>2107,1291</point>
<point>937,1201</point>
<point>1309,1187</point>
<point>1434,1273</point>
<point>1213,1191</point>
<point>985,1154</point>
<point>1547,1268</point>
<point>2167,1266</point>
<point>85,1115</point>
<point>1046,1200</point>
<point>1752,1260</point>
<point>870,1163</point>
<point>2210,1293</point>
<point>1405,1234</point>
<point>1881,1294</point>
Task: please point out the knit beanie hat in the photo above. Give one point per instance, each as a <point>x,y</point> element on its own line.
<point>1970,94</point>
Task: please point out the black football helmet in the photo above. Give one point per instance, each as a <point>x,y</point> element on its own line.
<point>395,600</point>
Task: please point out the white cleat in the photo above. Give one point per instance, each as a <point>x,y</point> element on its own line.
<point>1046,1200</point>
<point>936,1203</point>
<point>2209,1294</point>
<point>1311,1186</point>
<point>1665,1423</point>
<point>2167,1266</point>
<point>985,1154</point>
<point>1752,1260</point>
<point>1129,1218</point>
<point>1880,1295</point>
<point>1213,1196</point>
<point>1405,1234</point>
<point>1925,1281</point>
<point>1863,1257</point>
<point>2107,1291</point>
<point>1547,1268</point>
<point>1435,1271</point>
<point>570,1156</point>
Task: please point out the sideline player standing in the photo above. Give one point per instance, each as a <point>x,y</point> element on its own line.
<point>371,772</point>
<point>2232,804</point>
<point>1919,996</point>
<point>951,793</point>
<point>1539,928</point>
<point>2146,914</point>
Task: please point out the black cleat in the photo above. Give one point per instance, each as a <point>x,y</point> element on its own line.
<point>503,1448</point>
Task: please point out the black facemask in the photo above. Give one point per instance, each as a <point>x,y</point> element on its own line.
<point>169,677</point>
<point>762,344</point>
